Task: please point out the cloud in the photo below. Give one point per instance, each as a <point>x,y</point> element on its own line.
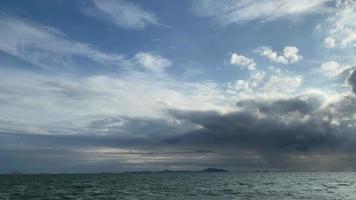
<point>242,85</point>
<point>352,80</point>
<point>272,82</point>
<point>278,132</point>
<point>234,11</point>
<point>290,54</point>
<point>47,47</point>
<point>84,121</point>
<point>121,13</point>
<point>329,42</point>
<point>50,49</point>
<point>282,84</point>
<point>243,61</point>
<point>341,25</point>
<point>60,101</point>
<point>332,68</point>
<point>152,62</point>
<point>298,133</point>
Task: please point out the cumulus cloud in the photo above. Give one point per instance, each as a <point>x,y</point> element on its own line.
<point>332,68</point>
<point>273,81</point>
<point>243,61</point>
<point>152,62</point>
<point>121,13</point>
<point>234,11</point>
<point>289,55</point>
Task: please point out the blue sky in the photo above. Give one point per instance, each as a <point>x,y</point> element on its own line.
<point>123,84</point>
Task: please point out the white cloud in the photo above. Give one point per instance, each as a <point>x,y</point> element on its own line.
<point>329,42</point>
<point>122,13</point>
<point>46,47</point>
<point>341,25</point>
<point>242,85</point>
<point>270,83</point>
<point>250,85</point>
<point>152,62</point>
<point>292,54</point>
<point>282,84</point>
<point>236,11</point>
<point>332,68</point>
<point>243,61</point>
<point>289,55</point>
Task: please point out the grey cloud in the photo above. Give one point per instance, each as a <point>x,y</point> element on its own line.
<point>352,80</point>
<point>303,104</point>
<point>150,127</point>
<point>200,151</point>
<point>275,130</point>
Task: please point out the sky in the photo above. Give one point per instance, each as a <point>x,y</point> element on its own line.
<point>131,85</point>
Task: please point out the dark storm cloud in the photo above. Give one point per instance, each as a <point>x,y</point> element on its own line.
<point>352,80</point>
<point>302,104</point>
<point>297,122</point>
<point>274,129</point>
<point>200,151</point>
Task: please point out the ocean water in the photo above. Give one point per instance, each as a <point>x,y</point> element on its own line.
<point>180,185</point>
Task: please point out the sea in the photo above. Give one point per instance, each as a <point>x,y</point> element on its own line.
<point>180,185</point>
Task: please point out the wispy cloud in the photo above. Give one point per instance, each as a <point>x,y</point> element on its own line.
<point>50,49</point>
<point>121,13</point>
<point>235,11</point>
<point>47,47</point>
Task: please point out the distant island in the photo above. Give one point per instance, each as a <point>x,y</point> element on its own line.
<point>204,170</point>
<point>214,170</point>
<point>210,170</point>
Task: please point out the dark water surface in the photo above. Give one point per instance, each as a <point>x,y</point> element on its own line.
<point>182,185</point>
